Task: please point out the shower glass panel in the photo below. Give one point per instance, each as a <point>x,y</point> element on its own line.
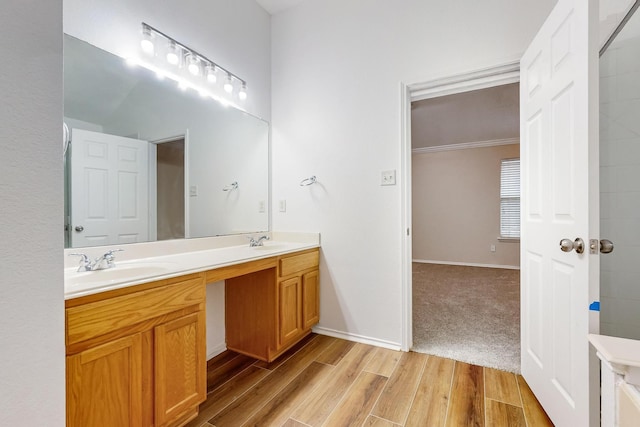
<point>620,182</point>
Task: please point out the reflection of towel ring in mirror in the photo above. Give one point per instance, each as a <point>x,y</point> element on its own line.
<point>308,181</point>
<point>232,186</point>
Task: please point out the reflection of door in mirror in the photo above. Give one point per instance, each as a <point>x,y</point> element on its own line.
<point>170,190</point>
<point>109,187</point>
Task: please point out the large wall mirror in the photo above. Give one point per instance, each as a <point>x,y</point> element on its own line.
<point>148,161</point>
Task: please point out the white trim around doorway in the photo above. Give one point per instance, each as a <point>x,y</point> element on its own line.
<point>501,74</point>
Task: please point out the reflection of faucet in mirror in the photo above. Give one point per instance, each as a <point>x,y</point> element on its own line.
<point>107,260</point>
<point>259,242</point>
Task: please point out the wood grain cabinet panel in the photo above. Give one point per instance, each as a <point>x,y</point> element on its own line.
<point>104,385</point>
<point>153,376</point>
<point>289,310</point>
<point>295,263</point>
<point>137,356</point>
<point>97,318</point>
<point>310,299</point>
<point>269,311</point>
<point>180,368</point>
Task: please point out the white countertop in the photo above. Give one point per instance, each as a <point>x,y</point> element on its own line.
<point>622,355</point>
<point>134,271</point>
<point>616,350</point>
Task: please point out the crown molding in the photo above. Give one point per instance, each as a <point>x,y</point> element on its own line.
<point>478,79</point>
<point>466,145</point>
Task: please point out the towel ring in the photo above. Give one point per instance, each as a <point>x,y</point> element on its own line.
<point>308,181</point>
<point>232,186</point>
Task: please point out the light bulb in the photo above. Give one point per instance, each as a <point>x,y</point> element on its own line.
<point>228,86</point>
<point>243,92</point>
<point>147,42</point>
<point>194,64</point>
<point>173,54</point>
<point>211,74</point>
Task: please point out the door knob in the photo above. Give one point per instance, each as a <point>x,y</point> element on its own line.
<point>606,246</point>
<point>567,245</point>
<point>79,228</point>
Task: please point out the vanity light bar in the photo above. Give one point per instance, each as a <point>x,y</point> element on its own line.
<point>182,82</point>
<point>197,64</point>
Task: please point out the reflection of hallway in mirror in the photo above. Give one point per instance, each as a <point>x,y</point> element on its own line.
<point>170,189</point>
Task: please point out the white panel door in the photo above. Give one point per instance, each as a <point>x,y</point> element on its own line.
<point>109,189</point>
<point>559,125</point>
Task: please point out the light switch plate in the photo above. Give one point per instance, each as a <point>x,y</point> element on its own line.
<point>283,205</point>
<point>388,177</point>
<point>193,190</point>
<point>261,206</point>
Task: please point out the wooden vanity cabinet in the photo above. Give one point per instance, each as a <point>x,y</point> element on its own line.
<point>268,311</point>
<point>136,356</point>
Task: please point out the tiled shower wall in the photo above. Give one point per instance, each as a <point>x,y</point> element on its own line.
<point>620,186</point>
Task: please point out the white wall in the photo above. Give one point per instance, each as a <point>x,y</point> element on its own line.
<point>337,68</point>
<point>456,207</point>
<point>31,218</point>
<point>235,35</point>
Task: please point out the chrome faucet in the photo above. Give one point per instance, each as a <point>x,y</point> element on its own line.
<point>85,263</point>
<point>260,242</point>
<point>107,260</point>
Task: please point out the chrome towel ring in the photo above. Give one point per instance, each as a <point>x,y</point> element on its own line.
<point>308,181</point>
<point>232,186</point>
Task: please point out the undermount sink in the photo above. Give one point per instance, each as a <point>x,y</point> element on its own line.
<point>118,273</point>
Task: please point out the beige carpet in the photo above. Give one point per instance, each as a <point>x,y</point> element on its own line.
<point>470,314</point>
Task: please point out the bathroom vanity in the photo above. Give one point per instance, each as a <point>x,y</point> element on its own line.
<point>136,347</point>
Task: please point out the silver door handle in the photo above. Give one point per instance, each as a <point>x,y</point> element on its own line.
<point>606,246</point>
<point>79,228</point>
<point>567,245</point>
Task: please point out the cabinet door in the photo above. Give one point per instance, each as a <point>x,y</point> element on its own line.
<point>104,384</point>
<point>310,299</point>
<point>180,367</point>
<point>289,310</point>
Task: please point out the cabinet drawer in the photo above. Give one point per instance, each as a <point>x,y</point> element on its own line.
<point>97,318</point>
<point>293,264</point>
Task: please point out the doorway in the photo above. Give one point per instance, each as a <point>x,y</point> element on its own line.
<point>479,79</point>
<point>168,189</point>
<point>465,211</point>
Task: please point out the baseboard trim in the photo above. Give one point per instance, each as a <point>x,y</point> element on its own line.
<point>467,264</point>
<point>356,338</point>
<point>216,350</point>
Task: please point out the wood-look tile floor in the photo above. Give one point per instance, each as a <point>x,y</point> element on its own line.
<point>325,381</point>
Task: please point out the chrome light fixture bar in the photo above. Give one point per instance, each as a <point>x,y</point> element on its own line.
<point>182,55</point>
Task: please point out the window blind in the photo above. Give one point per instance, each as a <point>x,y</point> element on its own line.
<point>510,198</point>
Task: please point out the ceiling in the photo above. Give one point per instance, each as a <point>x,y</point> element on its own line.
<point>81,60</point>
<point>275,6</point>
<point>475,116</point>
